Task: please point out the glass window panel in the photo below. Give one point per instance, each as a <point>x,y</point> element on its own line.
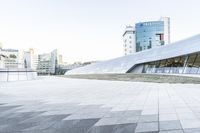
<point>190,63</point>
<point>199,71</point>
<point>169,62</point>
<point>195,66</point>
<point>191,60</point>
<point>197,61</point>
<point>163,63</point>
<point>167,69</point>
<point>157,64</point>
<point>145,67</point>
<point>194,70</point>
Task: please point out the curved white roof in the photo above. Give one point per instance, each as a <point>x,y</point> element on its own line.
<point>123,64</point>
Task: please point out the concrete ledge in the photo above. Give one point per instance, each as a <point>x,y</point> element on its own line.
<point>157,78</point>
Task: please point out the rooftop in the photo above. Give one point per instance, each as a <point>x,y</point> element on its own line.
<point>57,105</point>
<point>125,63</point>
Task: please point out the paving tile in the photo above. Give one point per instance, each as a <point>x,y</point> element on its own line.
<point>192,130</point>
<point>102,129</point>
<point>131,119</point>
<point>131,113</point>
<point>172,131</point>
<point>168,117</point>
<point>170,125</point>
<point>146,127</point>
<point>124,128</point>
<point>107,121</point>
<point>150,112</point>
<point>190,123</point>
<point>187,116</point>
<point>88,107</point>
<point>148,118</point>
<point>167,111</point>
<point>115,114</point>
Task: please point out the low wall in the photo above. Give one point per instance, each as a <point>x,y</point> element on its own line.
<point>17,74</point>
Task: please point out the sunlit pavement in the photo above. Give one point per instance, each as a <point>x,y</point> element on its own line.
<point>61,105</point>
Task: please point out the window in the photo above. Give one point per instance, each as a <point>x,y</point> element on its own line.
<point>197,61</point>
<point>130,37</point>
<point>190,62</point>
<point>196,65</point>
<point>162,63</point>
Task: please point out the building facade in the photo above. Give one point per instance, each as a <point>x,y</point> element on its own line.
<point>11,58</point>
<point>152,34</point>
<point>16,59</point>
<point>34,58</point>
<point>182,57</point>
<point>129,40</point>
<point>47,63</point>
<point>186,64</point>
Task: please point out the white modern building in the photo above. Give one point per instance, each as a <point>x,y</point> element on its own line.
<point>129,44</point>
<point>167,27</point>
<point>33,58</point>
<point>48,62</point>
<point>11,58</point>
<point>14,59</point>
<point>15,65</point>
<point>181,57</point>
<point>2,58</point>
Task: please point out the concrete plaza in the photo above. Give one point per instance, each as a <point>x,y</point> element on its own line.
<point>64,105</point>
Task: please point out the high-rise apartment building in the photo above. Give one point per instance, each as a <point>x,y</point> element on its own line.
<point>129,40</point>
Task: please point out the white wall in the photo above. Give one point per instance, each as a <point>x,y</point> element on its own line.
<point>129,41</point>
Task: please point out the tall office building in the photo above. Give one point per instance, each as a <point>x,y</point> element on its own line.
<point>129,40</point>
<point>152,34</point>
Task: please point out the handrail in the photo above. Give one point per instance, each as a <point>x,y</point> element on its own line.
<point>17,74</point>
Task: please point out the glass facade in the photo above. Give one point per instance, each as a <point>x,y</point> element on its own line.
<point>149,35</point>
<point>188,64</point>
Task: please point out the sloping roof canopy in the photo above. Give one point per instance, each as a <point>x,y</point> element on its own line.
<point>123,64</point>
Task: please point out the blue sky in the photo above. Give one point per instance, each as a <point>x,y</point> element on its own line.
<point>85,30</point>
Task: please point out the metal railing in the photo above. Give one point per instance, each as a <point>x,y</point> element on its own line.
<point>8,74</point>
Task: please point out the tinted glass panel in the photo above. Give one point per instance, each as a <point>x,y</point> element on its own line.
<point>179,65</point>
<point>190,63</point>
<point>196,64</point>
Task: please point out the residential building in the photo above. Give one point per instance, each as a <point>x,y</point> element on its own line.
<point>129,40</point>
